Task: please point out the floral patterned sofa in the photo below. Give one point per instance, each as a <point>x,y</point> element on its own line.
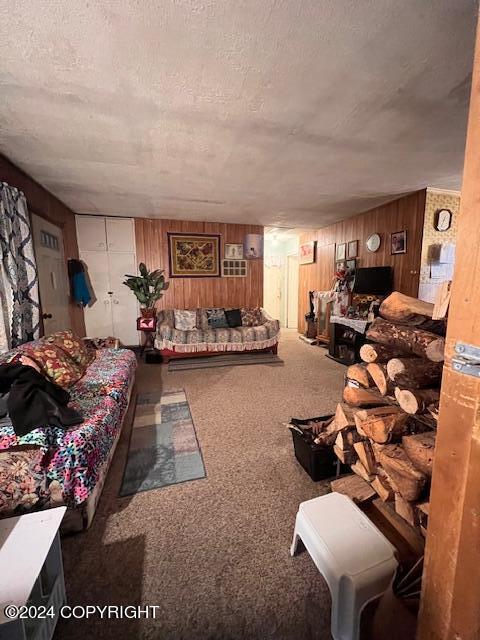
<point>257,332</point>
<point>50,466</point>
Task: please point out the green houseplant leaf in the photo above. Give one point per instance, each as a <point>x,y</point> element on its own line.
<point>147,287</point>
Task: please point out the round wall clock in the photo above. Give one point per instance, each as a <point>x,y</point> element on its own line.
<point>373,242</point>
<point>442,220</point>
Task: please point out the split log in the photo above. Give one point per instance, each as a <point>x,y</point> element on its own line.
<point>418,401</point>
<point>366,456</point>
<point>372,352</point>
<point>420,448</point>
<point>403,309</point>
<point>409,339</point>
<point>383,488</point>
<point>359,373</point>
<point>358,468</point>
<point>363,414</point>
<point>346,438</point>
<point>414,373</point>
<point>378,373</point>
<point>405,478</point>
<point>345,457</point>
<point>354,487</point>
<point>358,397</point>
<point>385,428</point>
<point>406,510</point>
<point>343,417</point>
<point>423,509</point>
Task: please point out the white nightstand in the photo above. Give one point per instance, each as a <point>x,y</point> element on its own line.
<point>31,572</point>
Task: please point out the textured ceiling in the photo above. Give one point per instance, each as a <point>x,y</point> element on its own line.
<point>277,112</point>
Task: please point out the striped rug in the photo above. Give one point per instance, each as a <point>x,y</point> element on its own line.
<point>164,449</point>
<point>226,360</point>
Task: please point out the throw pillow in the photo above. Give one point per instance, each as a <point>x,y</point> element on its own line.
<point>234,317</point>
<point>185,320</point>
<point>251,316</point>
<point>73,346</point>
<point>217,319</point>
<point>53,362</point>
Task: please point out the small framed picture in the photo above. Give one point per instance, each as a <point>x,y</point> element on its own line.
<point>352,251</point>
<point>341,253</point>
<point>398,242</point>
<point>306,252</point>
<point>233,251</point>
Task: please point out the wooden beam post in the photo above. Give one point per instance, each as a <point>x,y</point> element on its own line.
<point>450,604</point>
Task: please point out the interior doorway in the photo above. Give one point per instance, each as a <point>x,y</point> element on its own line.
<point>280,278</point>
<point>292,291</point>
<point>52,274</point>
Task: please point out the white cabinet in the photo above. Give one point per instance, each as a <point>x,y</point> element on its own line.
<point>114,309</point>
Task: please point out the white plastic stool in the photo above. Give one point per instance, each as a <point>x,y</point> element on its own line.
<point>356,560</point>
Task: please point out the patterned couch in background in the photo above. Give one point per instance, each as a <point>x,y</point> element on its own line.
<point>262,334</point>
<point>50,466</point>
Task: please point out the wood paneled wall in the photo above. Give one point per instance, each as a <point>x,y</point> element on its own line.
<point>404,213</point>
<point>46,205</point>
<point>190,293</point>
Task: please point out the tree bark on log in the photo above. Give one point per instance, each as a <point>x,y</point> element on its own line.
<point>378,373</point>
<point>405,478</point>
<point>359,373</point>
<point>358,397</point>
<point>414,373</point>
<point>386,428</point>
<point>420,448</point>
<point>403,309</point>
<point>418,401</point>
<point>409,339</point>
<point>373,352</point>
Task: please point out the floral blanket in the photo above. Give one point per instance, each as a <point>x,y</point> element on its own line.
<point>52,462</point>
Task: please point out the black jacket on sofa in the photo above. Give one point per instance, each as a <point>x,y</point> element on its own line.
<point>33,401</point>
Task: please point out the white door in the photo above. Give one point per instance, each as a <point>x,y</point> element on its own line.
<point>98,314</point>
<point>124,303</point>
<point>120,234</point>
<point>52,275</point>
<point>272,292</point>
<point>91,234</point>
<point>292,292</point>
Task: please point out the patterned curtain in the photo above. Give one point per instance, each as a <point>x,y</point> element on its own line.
<point>19,302</point>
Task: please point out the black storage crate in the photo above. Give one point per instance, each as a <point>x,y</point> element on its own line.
<point>319,461</point>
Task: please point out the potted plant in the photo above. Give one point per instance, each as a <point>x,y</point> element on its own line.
<point>148,288</point>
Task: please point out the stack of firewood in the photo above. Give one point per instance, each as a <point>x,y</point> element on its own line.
<point>385,428</point>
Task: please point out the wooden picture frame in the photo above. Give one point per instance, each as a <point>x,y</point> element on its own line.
<point>398,242</point>
<point>352,251</point>
<point>306,252</point>
<point>194,255</point>
<point>341,251</point>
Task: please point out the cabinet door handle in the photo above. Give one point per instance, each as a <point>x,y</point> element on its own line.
<point>106,302</point>
<point>115,302</point>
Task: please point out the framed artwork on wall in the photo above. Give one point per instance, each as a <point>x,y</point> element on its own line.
<point>306,252</point>
<point>233,251</point>
<point>234,268</point>
<point>352,251</point>
<point>341,252</point>
<point>194,255</point>
<point>253,247</point>
<point>398,242</point>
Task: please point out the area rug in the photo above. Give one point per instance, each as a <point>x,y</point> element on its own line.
<point>164,449</point>
<point>227,360</point>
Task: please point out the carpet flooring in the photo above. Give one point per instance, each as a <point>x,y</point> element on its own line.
<point>213,554</point>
